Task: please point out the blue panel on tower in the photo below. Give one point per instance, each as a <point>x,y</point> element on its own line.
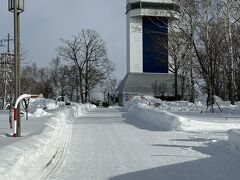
<point>155,45</point>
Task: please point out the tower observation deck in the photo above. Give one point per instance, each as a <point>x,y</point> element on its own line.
<point>147,34</point>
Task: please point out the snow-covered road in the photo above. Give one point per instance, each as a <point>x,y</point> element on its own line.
<point>112,144</point>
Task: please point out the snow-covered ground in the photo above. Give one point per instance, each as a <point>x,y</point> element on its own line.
<point>183,115</point>
<point>44,139</point>
<point>189,117</point>
<point>147,139</point>
<point>113,144</point>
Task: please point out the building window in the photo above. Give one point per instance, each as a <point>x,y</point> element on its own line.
<point>155,45</point>
<point>151,5</point>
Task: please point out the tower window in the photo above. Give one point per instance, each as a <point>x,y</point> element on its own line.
<point>151,5</point>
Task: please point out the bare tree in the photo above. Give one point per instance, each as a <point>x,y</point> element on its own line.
<point>204,48</point>
<point>29,78</point>
<point>35,80</point>
<point>87,52</point>
<point>159,89</point>
<point>54,73</point>
<point>227,9</point>
<point>178,46</point>
<point>108,87</point>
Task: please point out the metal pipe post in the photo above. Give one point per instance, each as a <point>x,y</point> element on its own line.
<point>16,61</point>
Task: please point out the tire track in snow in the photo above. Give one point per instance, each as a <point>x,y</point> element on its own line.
<point>58,158</point>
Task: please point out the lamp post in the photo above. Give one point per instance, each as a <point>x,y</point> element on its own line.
<point>17,7</point>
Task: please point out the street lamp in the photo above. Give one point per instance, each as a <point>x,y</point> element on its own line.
<point>17,7</point>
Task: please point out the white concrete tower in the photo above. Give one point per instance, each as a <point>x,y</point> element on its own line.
<point>144,17</point>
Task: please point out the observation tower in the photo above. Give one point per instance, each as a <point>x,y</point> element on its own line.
<point>148,22</point>
<point>147,34</point>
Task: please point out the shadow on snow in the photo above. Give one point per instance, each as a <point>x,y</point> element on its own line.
<point>221,165</point>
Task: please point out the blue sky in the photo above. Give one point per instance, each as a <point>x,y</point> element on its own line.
<point>44,22</point>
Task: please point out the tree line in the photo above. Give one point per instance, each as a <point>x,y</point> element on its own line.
<point>80,67</point>
<point>203,46</point>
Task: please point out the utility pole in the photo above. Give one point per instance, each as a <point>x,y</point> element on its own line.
<point>8,43</point>
<point>17,6</point>
<point>6,39</point>
<point>15,19</point>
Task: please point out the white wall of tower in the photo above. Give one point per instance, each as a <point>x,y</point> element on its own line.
<point>134,31</point>
<point>134,45</point>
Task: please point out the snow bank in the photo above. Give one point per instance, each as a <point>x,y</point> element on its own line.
<point>185,106</point>
<point>41,103</point>
<point>27,158</point>
<point>193,125</point>
<point>38,103</point>
<point>39,112</point>
<point>77,111</point>
<point>142,108</point>
<point>181,106</point>
<point>154,116</point>
<point>51,105</point>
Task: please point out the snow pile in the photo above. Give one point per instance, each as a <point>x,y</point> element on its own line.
<point>41,103</point>
<point>141,107</point>
<point>39,112</point>
<point>38,103</point>
<point>185,106</point>
<point>194,125</point>
<point>51,105</point>
<point>29,156</point>
<point>36,107</point>
<point>77,111</point>
<point>154,116</point>
<point>182,106</point>
<point>34,152</point>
